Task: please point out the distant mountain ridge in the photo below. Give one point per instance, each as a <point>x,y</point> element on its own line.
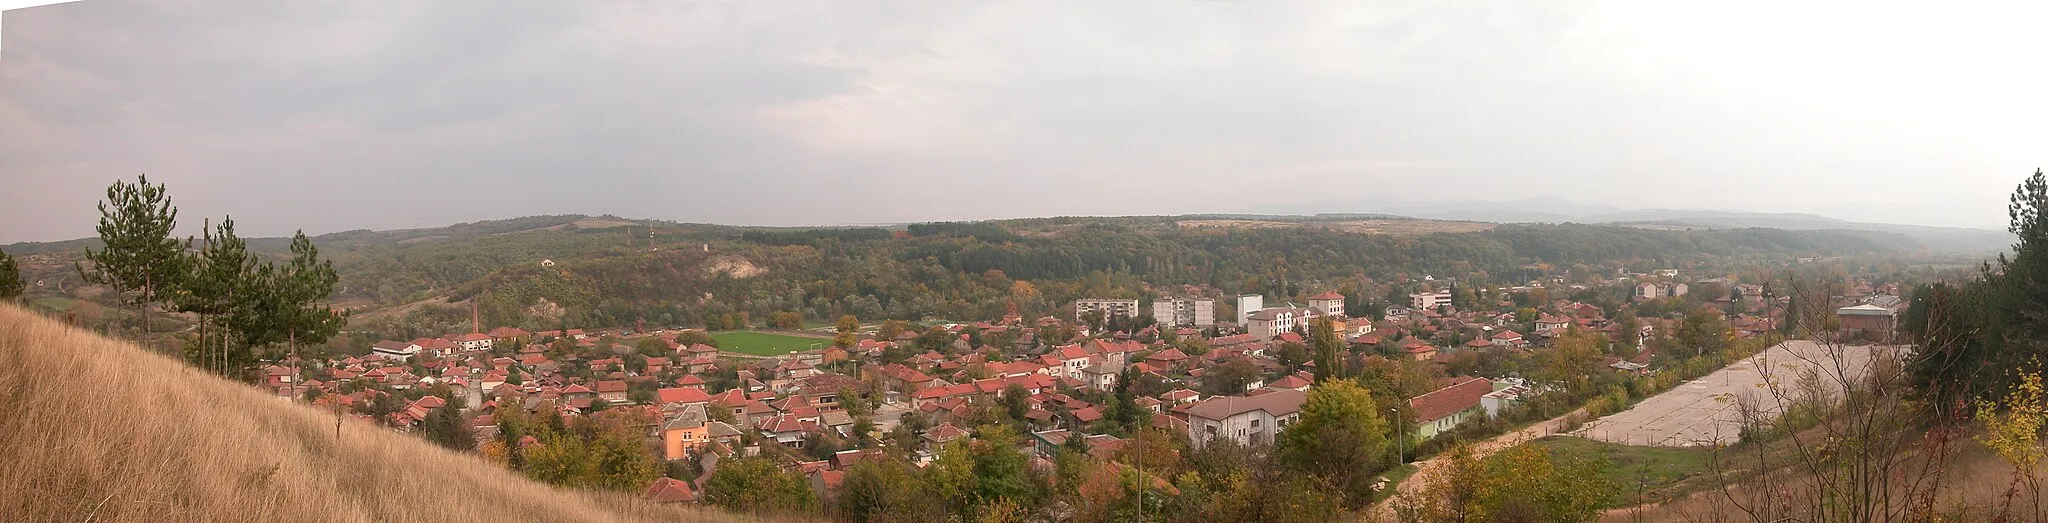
<point>1558,210</point>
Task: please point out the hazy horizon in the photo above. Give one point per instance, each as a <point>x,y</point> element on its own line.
<point>404,115</point>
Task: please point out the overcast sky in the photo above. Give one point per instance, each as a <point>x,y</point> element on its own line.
<point>331,116</point>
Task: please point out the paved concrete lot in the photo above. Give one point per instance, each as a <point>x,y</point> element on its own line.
<point>1703,411</point>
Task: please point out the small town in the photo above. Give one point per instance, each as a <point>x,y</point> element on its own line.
<point>1113,374</point>
<point>1022,262</point>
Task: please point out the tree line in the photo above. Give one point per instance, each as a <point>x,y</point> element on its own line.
<point>245,305</point>
<point>956,271</point>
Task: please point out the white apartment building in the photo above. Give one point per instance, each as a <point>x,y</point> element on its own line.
<point>1184,312</point>
<point>1109,308</point>
<point>1429,300</point>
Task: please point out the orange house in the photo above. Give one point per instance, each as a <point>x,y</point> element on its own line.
<point>685,433</point>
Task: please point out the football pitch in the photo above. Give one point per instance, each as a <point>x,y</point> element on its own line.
<point>765,344</point>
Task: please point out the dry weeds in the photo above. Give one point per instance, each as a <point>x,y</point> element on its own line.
<point>93,429</point>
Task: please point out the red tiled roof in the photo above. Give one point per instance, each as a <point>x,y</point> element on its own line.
<point>1168,355</point>
<point>1087,415</point>
<point>669,490</point>
<point>681,395</point>
<point>945,432</point>
<point>1278,403</point>
<point>1446,401</point>
<point>1327,295</point>
<point>1289,382</point>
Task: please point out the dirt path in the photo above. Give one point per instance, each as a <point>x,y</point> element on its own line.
<point>1384,510</point>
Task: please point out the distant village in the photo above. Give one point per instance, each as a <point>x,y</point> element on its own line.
<point>1210,378</point>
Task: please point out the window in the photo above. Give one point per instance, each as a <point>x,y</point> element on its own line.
<point>1212,429</point>
<point>1255,424</point>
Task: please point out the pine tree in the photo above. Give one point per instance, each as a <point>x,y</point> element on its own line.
<point>287,305</point>
<point>217,289</point>
<point>139,256</point>
<point>11,284</point>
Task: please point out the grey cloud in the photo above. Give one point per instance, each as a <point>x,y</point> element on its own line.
<point>331,116</point>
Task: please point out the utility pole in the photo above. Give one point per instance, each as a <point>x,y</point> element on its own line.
<point>1400,450</point>
<point>1140,446</point>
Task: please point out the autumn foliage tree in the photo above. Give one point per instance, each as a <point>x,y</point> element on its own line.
<point>1340,438</point>
<point>847,335</point>
<point>1524,483</point>
<point>759,486</point>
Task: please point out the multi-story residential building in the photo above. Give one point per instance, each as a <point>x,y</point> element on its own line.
<point>1108,307</point>
<point>1649,290</point>
<point>1423,301</point>
<point>1267,323</point>
<point>1248,304</point>
<point>1330,303</point>
<point>1184,312</point>
<point>1249,420</point>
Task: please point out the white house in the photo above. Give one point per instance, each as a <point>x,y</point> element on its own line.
<point>396,350</point>
<point>1429,300</point>
<point>1330,303</point>
<point>474,341</point>
<point>1268,323</point>
<point>1249,420</point>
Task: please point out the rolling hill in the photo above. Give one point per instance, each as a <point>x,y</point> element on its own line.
<point>102,430</point>
<point>1956,240</point>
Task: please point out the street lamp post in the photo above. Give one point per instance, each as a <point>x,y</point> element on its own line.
<point>1400,450</point>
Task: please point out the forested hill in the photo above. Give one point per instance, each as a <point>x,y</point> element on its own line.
<point>609,271</point>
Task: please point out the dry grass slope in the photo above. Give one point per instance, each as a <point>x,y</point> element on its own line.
<point>93,429</point>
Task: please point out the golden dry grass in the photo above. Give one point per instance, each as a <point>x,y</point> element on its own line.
<point>94,429</point>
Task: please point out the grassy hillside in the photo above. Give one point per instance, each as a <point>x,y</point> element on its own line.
<point>100,430</point>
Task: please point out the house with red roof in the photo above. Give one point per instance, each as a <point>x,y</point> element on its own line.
<point>1418,350</point>
<point>1249,420</point>
<point>474,341</point>
<point>1290,382</point>
<point>1439,410</point>
<point>508,334</point>
<point>670,490</point>
<point>1330,303</point>
<point>1167,359</point>
<point>1510,339</point>
<point>612,391</point>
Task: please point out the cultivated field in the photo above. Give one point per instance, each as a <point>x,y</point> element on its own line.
<point>1705,411</point>
<point>765,344</point>
<point>100,430</point>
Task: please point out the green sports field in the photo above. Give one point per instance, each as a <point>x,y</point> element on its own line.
<point>765,344</point>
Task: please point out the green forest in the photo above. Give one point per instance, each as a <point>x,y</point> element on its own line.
<point>684,275</point>
<point>608,271</point>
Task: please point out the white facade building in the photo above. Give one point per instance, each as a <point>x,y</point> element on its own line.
<point>1184,312</point>
<point>1253,420</point>
<point>1248,304</point>
<point>1109,308</point>
<point>1429,300</point>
